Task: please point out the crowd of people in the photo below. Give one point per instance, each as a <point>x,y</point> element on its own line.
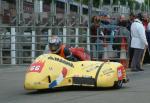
<point>135,30</point>
<point>109,33</point>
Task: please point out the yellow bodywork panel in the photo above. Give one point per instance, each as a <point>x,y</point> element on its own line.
<point>50,71</point>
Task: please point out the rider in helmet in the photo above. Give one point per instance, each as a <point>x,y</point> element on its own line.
<point>55,46</point>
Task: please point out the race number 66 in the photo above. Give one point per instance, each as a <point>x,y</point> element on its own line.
<point>36,67</point>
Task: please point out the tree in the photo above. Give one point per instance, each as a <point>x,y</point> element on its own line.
<point>146,3</point>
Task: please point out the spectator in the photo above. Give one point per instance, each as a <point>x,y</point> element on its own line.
<point>147,53</point>
<point>131,20</point>
<point>145,20</point>
<point>123,32</point>
<point>94,35</point>
<point>138,42</point>
<point>94,27</point>
<point>121,20</point>
<point>148,26</point>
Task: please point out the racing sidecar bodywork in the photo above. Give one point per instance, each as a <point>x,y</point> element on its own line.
<point>50,71</point>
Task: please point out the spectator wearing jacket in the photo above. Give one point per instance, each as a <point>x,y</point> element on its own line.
<point>138,42</point>
<point>94,36</point>
<point>131,20</point>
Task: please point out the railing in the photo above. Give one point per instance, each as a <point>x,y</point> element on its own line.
<point>20,45</point>
<point>112,44</point>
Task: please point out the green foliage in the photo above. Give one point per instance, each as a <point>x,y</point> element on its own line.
<point>11,1</point>
<point>115,2</point>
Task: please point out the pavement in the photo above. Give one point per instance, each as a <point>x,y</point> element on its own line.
<point>7,68</point>
<point>145,66</point>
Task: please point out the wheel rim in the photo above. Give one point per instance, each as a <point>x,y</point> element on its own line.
<point>119,84</point>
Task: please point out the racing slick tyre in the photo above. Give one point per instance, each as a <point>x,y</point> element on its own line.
<point>118,84</point>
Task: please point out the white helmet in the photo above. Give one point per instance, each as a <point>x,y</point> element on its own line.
<point>55,44</point>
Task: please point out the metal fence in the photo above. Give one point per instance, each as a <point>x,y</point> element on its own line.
<point>20,45</point>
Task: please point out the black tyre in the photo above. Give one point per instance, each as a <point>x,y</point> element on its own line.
<point>118,84</point>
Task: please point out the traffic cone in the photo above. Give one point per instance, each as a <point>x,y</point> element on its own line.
<point>123,53</point>
<point>123,49</point>
<point>105,55</point>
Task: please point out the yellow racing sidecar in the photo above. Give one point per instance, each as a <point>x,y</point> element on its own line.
<point>51,71</point>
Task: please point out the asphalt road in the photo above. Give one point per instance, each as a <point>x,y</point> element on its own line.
<point>12,91</point>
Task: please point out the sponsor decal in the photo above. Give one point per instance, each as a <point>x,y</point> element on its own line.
<point>60,78</point>
<point>36,66</point>
<point>51,69</point>
<point>92,68</point>
<point>61,61</point>
<point>108,71</point>
<point>37,83</point>
<point>64,72</point>
<point>120,73</point>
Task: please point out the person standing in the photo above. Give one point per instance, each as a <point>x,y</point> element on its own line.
<point>93,29</point>
<point>138,42</point>
<point>131,20</point>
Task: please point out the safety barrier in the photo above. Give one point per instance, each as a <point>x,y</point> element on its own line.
<point>20,45</point>
<point>112,45</point>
